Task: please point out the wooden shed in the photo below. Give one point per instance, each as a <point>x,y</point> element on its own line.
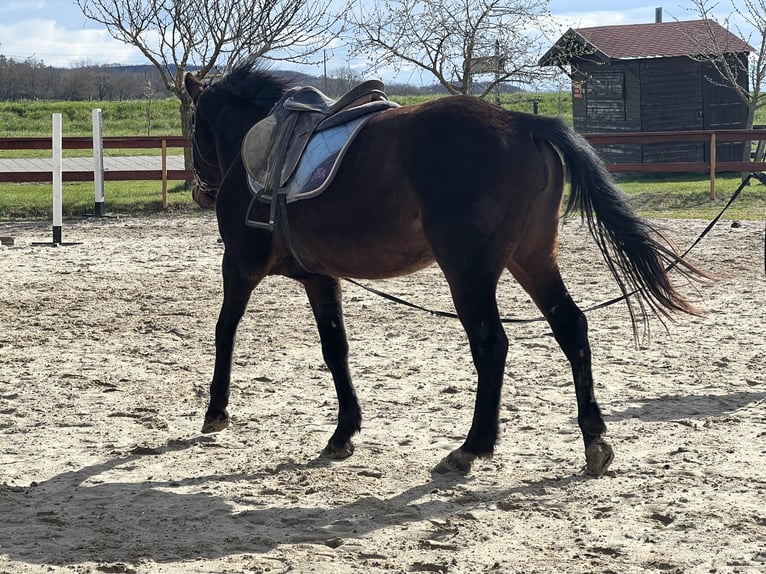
<point>649,77</point>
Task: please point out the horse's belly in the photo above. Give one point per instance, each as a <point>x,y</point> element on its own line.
<point>393,269</point>
<point>368,253</point>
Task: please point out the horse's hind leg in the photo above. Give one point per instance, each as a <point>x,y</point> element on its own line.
<point>324,294</point>
<point>570,327</point>
<point>237,289</point>
<point>473,292</point>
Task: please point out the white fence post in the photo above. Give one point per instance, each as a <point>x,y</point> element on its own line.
<point>98,164</point>
<point>57,179</point>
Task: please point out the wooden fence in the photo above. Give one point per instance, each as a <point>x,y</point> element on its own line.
<point>710,137</point>
<point>129,142</point>
<point>132,142</point>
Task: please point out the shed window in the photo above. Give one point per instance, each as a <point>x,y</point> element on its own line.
<point>607,85</point>
<point>605,97</point>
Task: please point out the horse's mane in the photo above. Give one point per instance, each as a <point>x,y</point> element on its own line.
<point>250,81</point>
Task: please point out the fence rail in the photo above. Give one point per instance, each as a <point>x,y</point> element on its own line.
<point>86,142</point>
<point>127,142</point>
<point>711,137</point>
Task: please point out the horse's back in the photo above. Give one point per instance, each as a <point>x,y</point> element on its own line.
<point>420,177</point>
<point>474,164</point>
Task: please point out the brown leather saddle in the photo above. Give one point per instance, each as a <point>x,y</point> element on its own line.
<point>273,147</point>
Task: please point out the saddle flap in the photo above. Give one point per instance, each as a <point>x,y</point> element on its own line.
<point>305,125</point>
<point>256,147</point>
<point>272,149</point>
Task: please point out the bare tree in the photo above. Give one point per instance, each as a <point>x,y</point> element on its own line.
<point>454,40</point>
<point>211,35</point>
<point>746,77</point>
<point>341,80</point>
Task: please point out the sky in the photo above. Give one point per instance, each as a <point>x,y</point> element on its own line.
<point>55,31</point>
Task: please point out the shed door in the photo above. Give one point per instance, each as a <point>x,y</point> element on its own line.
<point>724,110</point>
<point>671,100</point>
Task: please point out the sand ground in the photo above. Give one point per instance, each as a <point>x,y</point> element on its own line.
<point>106,352</point>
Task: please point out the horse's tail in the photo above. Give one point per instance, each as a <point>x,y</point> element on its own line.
<point>637,253</point>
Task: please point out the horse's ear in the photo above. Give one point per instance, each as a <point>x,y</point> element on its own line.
<point>193,86</point>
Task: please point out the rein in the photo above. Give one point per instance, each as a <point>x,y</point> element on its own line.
<point>204,187</point>
<point>761,177</point>
<point>201,185</point>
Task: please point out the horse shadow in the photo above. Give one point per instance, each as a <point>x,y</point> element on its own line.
<point>74,518</point>
<point>677,407</point>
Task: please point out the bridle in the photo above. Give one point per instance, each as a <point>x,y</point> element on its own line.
<point>201,185</point>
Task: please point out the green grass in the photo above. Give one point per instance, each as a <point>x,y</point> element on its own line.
<point>688,196</point>
<point>34,201</point>
<point>126,118</point>
<point>674,197</point>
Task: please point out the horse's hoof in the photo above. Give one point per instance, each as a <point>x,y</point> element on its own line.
<point>598,456</point>
<point>335,452</point>
<point>215,424</point>
<point>456,462</point>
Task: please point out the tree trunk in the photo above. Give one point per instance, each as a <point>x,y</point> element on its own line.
<point>747,146</point>
<point>187,114</point>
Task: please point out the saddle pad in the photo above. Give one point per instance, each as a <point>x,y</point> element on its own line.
<point>321,159</point>
<point>318,163</point>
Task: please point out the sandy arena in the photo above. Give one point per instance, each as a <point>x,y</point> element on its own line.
<point>106,353</point>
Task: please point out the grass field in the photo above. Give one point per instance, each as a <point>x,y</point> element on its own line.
<point>686,196</point>
<point>677,196</point>
<point>26,201</point>
<point>126,118</point>
<point>136,117</point>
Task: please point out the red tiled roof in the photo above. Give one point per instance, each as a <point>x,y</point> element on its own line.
<point>688,38</point>
<point>636,41</point>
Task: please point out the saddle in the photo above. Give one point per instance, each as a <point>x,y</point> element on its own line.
<point>276,147</point>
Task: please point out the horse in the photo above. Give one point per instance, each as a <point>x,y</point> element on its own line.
<point>457,181</point>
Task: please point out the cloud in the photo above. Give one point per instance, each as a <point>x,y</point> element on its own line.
<point>12,7</point>
<point>45,41</point>
<point>589,19</point>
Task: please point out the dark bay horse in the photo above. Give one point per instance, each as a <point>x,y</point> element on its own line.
<point>458,181</point>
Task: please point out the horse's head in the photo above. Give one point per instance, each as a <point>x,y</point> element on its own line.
<point>207,170</point>
<point>223,113</point>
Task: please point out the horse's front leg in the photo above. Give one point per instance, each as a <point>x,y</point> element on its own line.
<point>324,294</point>
<point>237,289</point>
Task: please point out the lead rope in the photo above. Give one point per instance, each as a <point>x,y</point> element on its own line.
<point>761,177</point>
<point>431,311</point>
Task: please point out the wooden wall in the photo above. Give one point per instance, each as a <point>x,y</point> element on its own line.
<point>654,94</point>
<point>671,100</point>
